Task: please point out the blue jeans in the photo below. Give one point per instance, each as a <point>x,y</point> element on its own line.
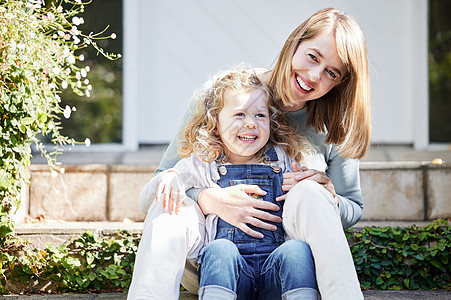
<point>256,268</point>
<point>287,273</point>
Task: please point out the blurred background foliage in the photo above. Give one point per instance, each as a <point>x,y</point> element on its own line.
<point>439,71</point>
<point>98,117</point>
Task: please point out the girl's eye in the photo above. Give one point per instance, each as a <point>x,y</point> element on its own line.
<point>332,74</point>
<point>313,57</point>
<point>260,115</point>
<point>239,115</point>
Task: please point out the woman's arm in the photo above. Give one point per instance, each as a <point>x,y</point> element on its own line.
<point>235,206</point>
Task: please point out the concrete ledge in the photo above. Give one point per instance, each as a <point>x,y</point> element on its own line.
<point>408,191</point>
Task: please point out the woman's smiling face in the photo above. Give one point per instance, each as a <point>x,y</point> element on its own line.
<point>316,68</point>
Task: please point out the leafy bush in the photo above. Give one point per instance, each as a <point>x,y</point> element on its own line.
<point>397,258</point>
<point>385,258</point>
<point>88,263</point>
<point>38,57</point>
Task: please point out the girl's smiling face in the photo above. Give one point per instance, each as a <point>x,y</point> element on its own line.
<point>316,68</point>
<point>243,125</point>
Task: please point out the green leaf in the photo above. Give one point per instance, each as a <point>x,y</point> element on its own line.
<point>379,281</point>
<point>406,282</point>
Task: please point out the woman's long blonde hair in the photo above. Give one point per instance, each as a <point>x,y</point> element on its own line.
<point>344,112</point>
<point>200,133</point>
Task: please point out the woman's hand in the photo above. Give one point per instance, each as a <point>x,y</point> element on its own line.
<point>298,174</point>
<point>171,191</point>
<point>235,206</point>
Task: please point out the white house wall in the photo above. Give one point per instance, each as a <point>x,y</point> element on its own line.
<point>173,46</point>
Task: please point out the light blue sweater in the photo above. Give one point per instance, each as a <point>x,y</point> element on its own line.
<point>344,172</point>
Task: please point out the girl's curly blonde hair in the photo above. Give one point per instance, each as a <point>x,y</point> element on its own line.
<point>200,133</point>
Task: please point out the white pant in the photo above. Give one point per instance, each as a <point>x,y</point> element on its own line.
<point>166,243</point>
<point>309,214</point>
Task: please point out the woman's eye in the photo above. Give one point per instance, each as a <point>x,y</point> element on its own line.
<point>332,74</point>
<point>313,57</point>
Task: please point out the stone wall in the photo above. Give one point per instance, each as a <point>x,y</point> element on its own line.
<point>410,191</point>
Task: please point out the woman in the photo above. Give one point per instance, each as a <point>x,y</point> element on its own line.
<point>322,79</point>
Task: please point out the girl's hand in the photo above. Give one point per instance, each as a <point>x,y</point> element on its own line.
<point>298,174</point>
<point>172,192</point>
<point>235,206</point>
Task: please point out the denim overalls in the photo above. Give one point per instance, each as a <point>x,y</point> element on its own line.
<point>269,178</point>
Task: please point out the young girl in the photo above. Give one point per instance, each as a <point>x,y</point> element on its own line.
<point>238,136</point>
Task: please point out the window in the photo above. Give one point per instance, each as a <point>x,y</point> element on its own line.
<point>99,117</point>
<point>439,71</point>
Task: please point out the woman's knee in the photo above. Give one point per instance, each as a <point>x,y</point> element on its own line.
<point>306,194</point>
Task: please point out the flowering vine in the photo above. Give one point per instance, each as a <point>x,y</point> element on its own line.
<point>38,58</point>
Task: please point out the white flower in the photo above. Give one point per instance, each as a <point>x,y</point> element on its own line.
<point>9,15</point>
<point>56,70</point>
<point>74,108</point>
<point>71,59</point>
<point>76,40</point>
<point>67,112</point>
<point>60,33</point>
<point>74,30</point>
<point>78,75</point>
<point>81,57</point>
<point>78,1</point>
<point>89,87</point>
<point>59,9</point>
<point>54,174</point>
<point>52,85</point>
<point>87,68</point>
<point>51,16</point>
<point>12,45</point>
<point>34,24</point>
<point>87,142</point>
<point>64,85</point>
<point>113,36</point>
<point>2,9</point>
<point>83,73</point>
<point>86,81</point>
<point>76,21</point>
<point>21,46</point>
<point>88,94</point>
<point>62,170</point>
<point>82,21</point>
<point>79,84</point>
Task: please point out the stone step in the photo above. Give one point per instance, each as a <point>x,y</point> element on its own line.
<point>368,295</point>
<point>408,191</point>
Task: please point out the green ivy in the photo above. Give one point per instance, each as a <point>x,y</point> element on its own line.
<point>394,258</point>
<point>388,258</point>
<point>88,263</point>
